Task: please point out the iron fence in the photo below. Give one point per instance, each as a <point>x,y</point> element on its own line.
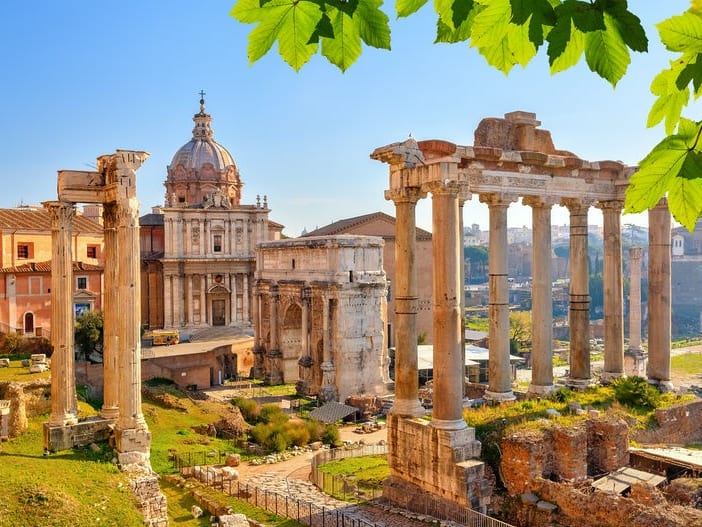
<point>346,488</point>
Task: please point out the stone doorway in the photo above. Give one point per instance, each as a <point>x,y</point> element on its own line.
<point>219,313</point>
<point>29,323</point>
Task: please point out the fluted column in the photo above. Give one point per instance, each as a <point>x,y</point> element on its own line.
<point>613,291</point>
<point>500,381</point>
<point>274,373</point>
<point>204,314</point>
<point>406,291</point>
<point>327,392</point>
<point>189,278</point>
<point>541,297</point>
<point>110,405</point>
<point>246,317</point>
<point>635,299</point>
<point>579,308</point>
<point>64,405</point>
<point>659,295</point>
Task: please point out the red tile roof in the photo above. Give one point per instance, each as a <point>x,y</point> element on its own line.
<point>45,267</point>
<point>39,220</point>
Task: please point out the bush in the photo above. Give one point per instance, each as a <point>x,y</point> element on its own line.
<point>296,434</point>
<point>14,344</point>
<point>272,413</point>
<point>635,392</point>
<point>330,436</point>
<point>314,429</point>
<point>249,409</point>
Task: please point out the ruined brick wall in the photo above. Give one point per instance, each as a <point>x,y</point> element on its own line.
<point>152,502</point>
<point>525,457</point>
<point>607,444</point>
<point>570,453</point>
<point>680,424</point>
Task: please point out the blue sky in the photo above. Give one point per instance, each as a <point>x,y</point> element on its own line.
<point>83,78</point>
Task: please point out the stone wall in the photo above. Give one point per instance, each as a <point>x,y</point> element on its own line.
<point>430,463</point>
<point>151,501</point>
<point>563,453</point>
<point>27,399</point>
<point>680,424</point>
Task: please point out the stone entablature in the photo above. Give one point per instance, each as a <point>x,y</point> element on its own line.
<point>320,315</point>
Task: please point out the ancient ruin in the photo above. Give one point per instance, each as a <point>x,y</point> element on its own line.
<point>320,309</point>
<point>114,186</point>
<point>510,158</point>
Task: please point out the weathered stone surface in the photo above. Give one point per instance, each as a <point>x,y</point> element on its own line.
<point>152,501</point>
<point>607,444</point>
<point>233,520</point>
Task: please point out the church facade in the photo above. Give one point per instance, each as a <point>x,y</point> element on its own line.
<point>198,250</point>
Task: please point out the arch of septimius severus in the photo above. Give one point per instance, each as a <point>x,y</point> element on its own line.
<point>114,186</point>
<point>510,159</point>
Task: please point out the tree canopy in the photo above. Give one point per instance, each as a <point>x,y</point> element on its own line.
<point>509,33</point>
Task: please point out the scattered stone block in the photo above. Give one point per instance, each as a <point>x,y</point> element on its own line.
<point>530,498</point>
<point>546,506</point>
<point>233,460</point>
<point>233,520</point>
<point>594,414</point>
<point>4,363</point>
<point>196,511</point>
<point>552,412</point>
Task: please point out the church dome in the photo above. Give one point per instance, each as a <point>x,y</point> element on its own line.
<point>202,171</point>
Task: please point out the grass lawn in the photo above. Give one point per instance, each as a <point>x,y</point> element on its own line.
<point>688,364</point>
<point>18,373</point>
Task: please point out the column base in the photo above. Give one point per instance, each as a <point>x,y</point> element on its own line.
<point>500,397</point>
<point>610,376</point>
<point>407,408</point>
<point>109,412</point>
<point>578,384</point>
<point>448,424</point>
<point>540,389</point>
<point>133,447</point>
<point>66,419</point>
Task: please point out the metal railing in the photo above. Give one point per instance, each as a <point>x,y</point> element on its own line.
<point>345,488</point>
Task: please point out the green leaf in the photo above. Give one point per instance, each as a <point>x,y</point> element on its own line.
<point>685,200</point>
<point>692,166</point>
<point>345,47</point>
<point>520,44</point>
<point>671,99</point>
<point>586,16</point>
<point>455,19</point>
<point>324,29</point>
<point>373,25</point>
<point>628,24</point>
<point>407,7</point>
<point>499,55</point>
<point>605,52</point>
<point>656,174</point>
<point>682,33</point>
<point>559,38</point>
<point>248,11</point>
<point>446,34</point>
<point>575,46</point>
<point>692,72</point>
<point>490,24</point>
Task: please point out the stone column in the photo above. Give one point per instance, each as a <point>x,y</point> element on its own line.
<point>178,280</point>
<point>541,297</point>
<point>462,198</point>
<point>204,316</point>
<point>232,300</point>
<point>274,373</point>
<point>64,405</point>
<point>659,295</point>
<point>259,363</point>
<point>635,298</point>
<point>500,381</point>
<point>167,303</point>
<point>579,308</point>
<point>110,405</point>
<point>132,437</point>
<point>189,278</point>
<point>246,316</point>
<point>304,384</point>
<point>327,392</point>
<point>613,291</point>
<point>448,333</point>
<point>406,296</point>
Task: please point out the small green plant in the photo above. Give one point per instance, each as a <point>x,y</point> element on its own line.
<point>13,344</point>
<point>635,392</point>
<point>249,408</point>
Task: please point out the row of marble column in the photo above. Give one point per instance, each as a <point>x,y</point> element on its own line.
<point>122,347</point>
<point>179,290</point>
<point>447,201</point>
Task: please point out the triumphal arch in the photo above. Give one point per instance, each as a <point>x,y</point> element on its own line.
<point>114,186</point>
<point>511,158</point>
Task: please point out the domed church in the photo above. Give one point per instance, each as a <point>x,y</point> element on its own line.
<point>198,250</point>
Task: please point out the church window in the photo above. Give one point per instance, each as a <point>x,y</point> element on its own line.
<point>82,282</point>
<point>217,246</point>
<point>25,251</point>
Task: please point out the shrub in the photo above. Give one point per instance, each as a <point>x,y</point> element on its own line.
<point>330,435</point>
<point>271,413</point>
<point>249,409</point>
<point>562,395</point>
<point>296,434</point>
<point>260,434</point>
<point>277,441</point>
<point>14,344</point>
<point>314,429</point>
<point>637,393</point>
